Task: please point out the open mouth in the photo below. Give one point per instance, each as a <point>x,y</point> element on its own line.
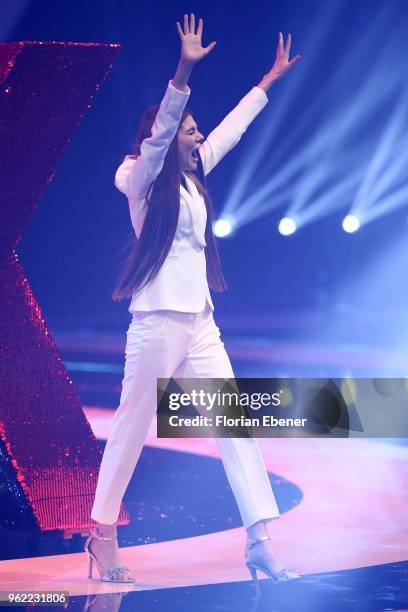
<point>194,155</point>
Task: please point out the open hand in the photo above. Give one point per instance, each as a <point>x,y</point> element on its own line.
<point>282,63</point>
<point>192,50</point>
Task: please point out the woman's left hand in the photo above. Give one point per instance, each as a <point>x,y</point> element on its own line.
<point>282,63</point>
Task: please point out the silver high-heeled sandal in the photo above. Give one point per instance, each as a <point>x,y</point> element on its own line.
<point>282,576</point>
<point>106,575</point>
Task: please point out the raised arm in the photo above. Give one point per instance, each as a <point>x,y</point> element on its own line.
<point>135,176</point>
<point>228,133</point>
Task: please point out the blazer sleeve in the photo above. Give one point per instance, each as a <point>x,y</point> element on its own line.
<point>135,176</point>
<point>228,133</point>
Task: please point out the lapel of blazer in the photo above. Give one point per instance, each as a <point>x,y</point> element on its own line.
<point>197,210</point>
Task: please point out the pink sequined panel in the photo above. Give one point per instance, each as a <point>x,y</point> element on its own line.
<point>45,90</point>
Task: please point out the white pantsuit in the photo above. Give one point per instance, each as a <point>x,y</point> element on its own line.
<point>172,332</point>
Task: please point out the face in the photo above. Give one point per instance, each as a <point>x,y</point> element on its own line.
<point>188,141</point>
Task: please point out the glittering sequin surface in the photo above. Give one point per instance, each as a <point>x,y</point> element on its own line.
<point>45,440</point>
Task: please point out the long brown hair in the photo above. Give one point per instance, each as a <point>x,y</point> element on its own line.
<point>149,251</point>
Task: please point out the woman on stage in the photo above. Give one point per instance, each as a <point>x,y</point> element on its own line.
<point>172,332</point>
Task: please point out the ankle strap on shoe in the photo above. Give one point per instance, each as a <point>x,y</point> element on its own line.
<point>252,542</point>
<point>94,533</point>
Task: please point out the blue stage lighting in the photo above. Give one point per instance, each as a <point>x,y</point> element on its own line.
<point>351,224</point>
<point>223,227</point>
<point>287,226</point>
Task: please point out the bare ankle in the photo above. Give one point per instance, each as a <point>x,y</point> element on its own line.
<point>107,531</point>
<point>257,530</point>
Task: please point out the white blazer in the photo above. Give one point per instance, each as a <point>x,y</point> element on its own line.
<point>181,283</point>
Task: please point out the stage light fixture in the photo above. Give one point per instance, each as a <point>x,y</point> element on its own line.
<point>287,226</point>
<point>351,223</point>
<point>223,227</point>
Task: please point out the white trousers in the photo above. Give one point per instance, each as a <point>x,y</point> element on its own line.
<point>164,344</point>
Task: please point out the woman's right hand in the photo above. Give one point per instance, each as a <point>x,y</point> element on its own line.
<point>192,50</point>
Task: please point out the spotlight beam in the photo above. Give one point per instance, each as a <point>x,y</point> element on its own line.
<point>279,199</point>
<point>313,153</point>
<point>247,170</point>
<point>317,163</point>
<point>390,175</point>
<point>379,159</point>
<point>248,167</point>
<point>329,149</point>
<point>394,201</point>
<point>337,196</point>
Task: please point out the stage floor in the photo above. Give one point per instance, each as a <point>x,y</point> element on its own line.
<point>343,523</point>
